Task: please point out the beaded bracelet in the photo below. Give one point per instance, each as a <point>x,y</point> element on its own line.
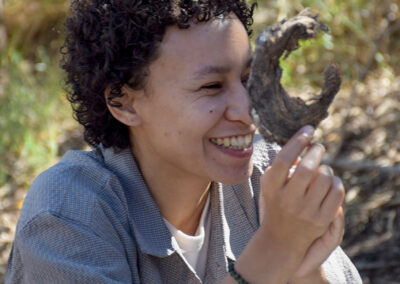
<point>234,274</point>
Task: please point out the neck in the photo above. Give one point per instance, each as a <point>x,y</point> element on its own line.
<point>180,198</point>
<point>184,212</point>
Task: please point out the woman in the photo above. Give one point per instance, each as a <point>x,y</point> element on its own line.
<point>174,190</point>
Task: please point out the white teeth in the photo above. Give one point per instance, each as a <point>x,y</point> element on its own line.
<point>227,142</point>
<point>234,142</point>
<point>248,139</point>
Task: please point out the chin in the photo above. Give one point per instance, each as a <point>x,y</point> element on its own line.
<point>236,177</point>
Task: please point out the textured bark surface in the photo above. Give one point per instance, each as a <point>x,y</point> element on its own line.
<point>277,115</point>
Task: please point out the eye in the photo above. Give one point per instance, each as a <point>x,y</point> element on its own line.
<point>245,79</point>
<point>212,86</point>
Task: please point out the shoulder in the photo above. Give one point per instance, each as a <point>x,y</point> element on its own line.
<point>73,222</point>
<point>71,189</point>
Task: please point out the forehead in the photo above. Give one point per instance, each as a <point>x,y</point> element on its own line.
<point>221,41</point>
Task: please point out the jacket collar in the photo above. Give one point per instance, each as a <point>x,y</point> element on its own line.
<point>147,224</point>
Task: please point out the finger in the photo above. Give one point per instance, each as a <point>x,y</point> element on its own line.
<point>306,170</point>
<point>336,228</point>
<point>333,200</point>
<point>261,203</point>
<point>320,185</point>
<point>287,156</point>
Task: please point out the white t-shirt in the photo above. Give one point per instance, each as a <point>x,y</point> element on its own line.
<point>194,248</point>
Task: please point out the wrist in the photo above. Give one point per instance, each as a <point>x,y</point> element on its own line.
<point>317,276</point>
<point>265,260</point>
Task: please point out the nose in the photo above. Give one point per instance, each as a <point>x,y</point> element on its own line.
<point>238,105</point>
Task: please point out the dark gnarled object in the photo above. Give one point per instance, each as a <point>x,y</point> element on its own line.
<point>277,115</point>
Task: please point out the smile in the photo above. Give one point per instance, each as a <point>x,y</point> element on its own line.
<point>234,142</point>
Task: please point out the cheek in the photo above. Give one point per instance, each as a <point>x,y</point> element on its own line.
<point>192,121</point>
<point>214,106</point>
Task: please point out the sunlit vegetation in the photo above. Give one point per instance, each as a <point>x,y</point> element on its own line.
<point>362,37</point>
<point>362,133</point>
<point>32,101</point>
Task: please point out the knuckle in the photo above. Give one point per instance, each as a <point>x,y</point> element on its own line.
<point>325,173</point>
<point>303,139</point>
<point>338,184</point>
<point>305,169</point>
<point>326,170</point>
<point>281,161</point>
<point>341,194</point>
<point>320,147</point>
<point>330,170</point>
<point>338,193</point>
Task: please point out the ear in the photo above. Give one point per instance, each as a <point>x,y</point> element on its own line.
<point>123,108</point>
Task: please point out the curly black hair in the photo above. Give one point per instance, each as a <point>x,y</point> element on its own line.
<point>110,43</point>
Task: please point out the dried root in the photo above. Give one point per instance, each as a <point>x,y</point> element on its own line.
<point>277,115</point>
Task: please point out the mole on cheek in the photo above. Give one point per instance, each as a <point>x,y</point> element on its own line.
<point>211,111</point>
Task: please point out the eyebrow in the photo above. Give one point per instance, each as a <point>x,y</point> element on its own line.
<point>211,69</point>
<point>216,69</point>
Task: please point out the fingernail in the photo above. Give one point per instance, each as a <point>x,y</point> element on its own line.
<point>328,171</point>
<point>307,130</point>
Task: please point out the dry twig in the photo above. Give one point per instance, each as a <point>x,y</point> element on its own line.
<point>277,115</point>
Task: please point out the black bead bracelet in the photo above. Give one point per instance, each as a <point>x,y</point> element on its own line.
<point>234,274</point>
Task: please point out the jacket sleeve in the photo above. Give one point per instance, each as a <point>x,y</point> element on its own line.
<point>339,269</point>
<point>52,249</point>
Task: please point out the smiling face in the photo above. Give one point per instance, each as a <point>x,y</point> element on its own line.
<point>194,120</point>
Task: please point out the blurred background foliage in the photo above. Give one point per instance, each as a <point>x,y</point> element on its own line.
<point>34,112</point>
<point>36,125</point>
<point>364,35</point>
<point>33,108</point>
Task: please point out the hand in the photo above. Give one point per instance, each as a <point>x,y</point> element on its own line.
<point>299,209</point>
<point>324,245</point>
<point>306,204</point>
<point>297,217</point>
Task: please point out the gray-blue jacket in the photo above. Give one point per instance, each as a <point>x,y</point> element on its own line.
<point>92,219</point>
